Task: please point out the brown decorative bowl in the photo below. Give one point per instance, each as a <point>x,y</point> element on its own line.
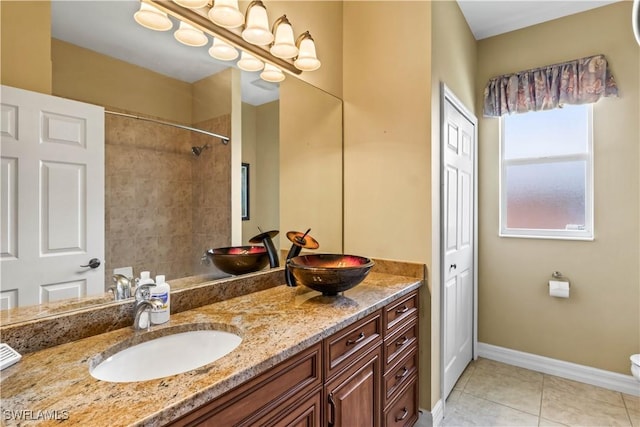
<point>329,273</point>
<point>239,259</point>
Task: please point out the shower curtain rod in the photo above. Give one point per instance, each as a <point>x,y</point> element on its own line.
<point>223,139</point>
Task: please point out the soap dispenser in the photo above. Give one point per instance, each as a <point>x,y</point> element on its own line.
<point>162,292</point>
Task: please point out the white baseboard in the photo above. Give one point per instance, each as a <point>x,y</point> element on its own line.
<point>434,416</point>
<point>585,374</point>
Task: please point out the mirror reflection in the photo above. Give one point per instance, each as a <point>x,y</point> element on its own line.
<point>169,192</point>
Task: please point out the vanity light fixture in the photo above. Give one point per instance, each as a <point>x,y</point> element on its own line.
<point>222,50</point>
<point>256,30</point>
<point>271,73</point>
<point>307,59</point>
<point>189,35</point>
<point>226,14</point>
<point>283,46</point>
<point>222,20</point>
<point>150,17</point>
<point>249,62</point>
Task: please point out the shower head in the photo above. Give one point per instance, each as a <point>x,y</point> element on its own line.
<point>196,151</point>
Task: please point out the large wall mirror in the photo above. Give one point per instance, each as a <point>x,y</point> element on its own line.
<point>171,193</point>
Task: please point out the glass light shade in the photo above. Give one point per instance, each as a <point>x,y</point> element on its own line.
<point>226,14</point>
<point>307,59</point>
<point>191,4</point>
<point>257,30</point>
<point>249,62</point>
<point>151,17</point>
<point>271,73</point>
<point>189,35</point>
<point>222,50</point>
<point>284,45</point>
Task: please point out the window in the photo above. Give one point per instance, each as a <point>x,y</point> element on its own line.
<point>546,185</point>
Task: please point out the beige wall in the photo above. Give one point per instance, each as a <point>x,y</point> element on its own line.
<point>310,164</point>
<point>84,75</point>
<point>387,137</point>
<point>598,325</point>
<point>453,62</point>
<point>211,96</point>
<point>249,114</point>
<point>25,42</point>
<point>266,173</point>
<point>260,148</point>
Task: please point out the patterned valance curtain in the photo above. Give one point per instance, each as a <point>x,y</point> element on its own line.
<point>581,81</point>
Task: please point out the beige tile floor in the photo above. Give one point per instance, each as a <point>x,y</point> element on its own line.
<point>490,393</point>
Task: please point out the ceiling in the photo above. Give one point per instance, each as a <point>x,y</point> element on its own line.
<point>490,18</point>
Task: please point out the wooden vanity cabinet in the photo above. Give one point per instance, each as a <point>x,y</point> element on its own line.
<point>366,374</point>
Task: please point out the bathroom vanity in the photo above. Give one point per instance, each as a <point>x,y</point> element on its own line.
<point>304,359</point>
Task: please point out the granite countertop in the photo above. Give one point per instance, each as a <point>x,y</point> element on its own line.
<point>275,324</point>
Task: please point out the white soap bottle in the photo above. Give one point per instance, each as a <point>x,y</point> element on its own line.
<point>162,292</point>
<point>145,278</point>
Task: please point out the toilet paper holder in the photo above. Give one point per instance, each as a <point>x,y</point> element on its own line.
<point>556,275</point>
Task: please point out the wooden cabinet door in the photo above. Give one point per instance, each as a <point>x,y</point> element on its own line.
<point>353,397</point>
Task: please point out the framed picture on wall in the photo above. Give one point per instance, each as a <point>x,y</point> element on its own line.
<point>244,191</point>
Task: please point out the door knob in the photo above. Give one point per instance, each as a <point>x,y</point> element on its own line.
<point>93,263</point>
<point>452,267</point>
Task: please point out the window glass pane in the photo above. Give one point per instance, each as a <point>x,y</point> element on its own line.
<point>546,133</point>
<point>547,196</point>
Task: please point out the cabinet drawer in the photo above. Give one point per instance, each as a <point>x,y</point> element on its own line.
<point>261,395</point>
<point>400,375</point>
<point>396,346</point>
<point>347,344</point>
<point>305,414</point>
<point>396,313</point>
<point>404,410</point>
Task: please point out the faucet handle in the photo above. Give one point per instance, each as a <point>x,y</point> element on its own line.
<point>143,293</point>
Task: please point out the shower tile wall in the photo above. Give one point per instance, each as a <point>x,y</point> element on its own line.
<point>151,197</point>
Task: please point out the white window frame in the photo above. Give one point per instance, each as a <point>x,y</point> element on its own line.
<point>588,232</point>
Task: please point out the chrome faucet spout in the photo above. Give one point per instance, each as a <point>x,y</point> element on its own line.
<point>144,305</point>
<point>142,316</point>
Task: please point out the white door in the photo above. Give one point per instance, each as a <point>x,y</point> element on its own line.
<point>52,187</point>
<point>458,218</point>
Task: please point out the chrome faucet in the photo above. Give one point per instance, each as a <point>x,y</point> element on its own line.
<point>122,288</point>
<point>144,305</point>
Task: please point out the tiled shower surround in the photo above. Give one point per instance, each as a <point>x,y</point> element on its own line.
<point>163,206</point>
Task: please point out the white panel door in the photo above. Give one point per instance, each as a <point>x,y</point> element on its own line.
<point>52,182</point>
<point>458,151</point>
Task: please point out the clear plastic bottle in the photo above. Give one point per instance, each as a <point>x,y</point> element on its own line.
<point>161,291</point>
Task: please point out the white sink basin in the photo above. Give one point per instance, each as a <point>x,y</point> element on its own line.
<point>166,355</point>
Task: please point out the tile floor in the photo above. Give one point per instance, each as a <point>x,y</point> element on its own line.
<point>491,393</point>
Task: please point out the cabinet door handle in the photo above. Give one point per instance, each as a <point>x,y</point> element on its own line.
<point>357,340</point>
<point>405,412</point>
<point>332,407</point>
<point>404,309</point>
<point>402,342</point>
<point>402,373</point>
